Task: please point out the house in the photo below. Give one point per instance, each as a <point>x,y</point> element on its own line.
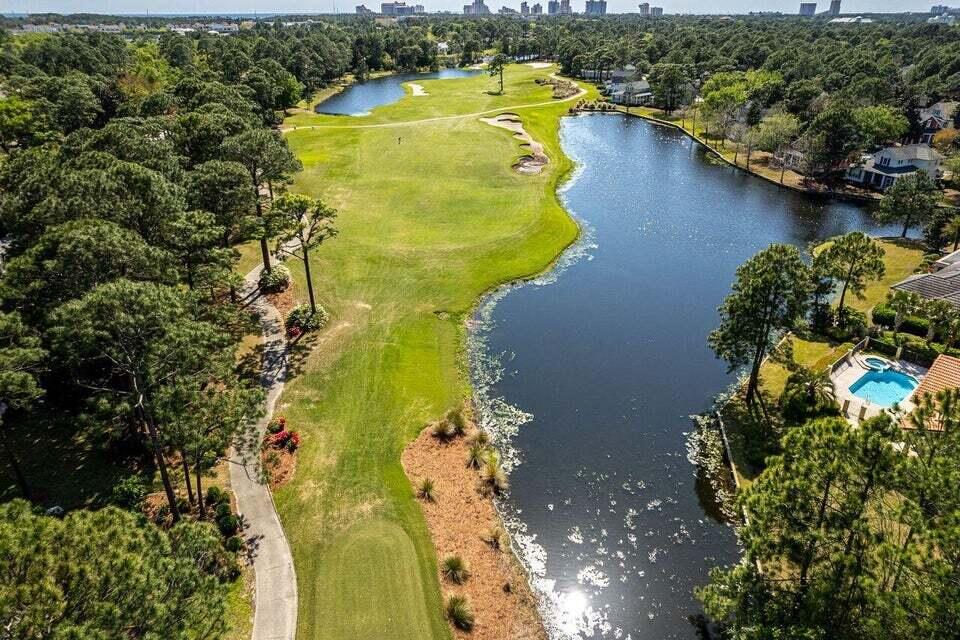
<point>622,76</point>
<point>443,48</point>
<point>944,374</point>
<point>936,117</point>
<point>881,169</point>
<point>632,93</point>
<point>942,283</point>
<point>796,161</point>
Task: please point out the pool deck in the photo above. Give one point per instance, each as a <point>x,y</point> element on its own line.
<point>857,409</point>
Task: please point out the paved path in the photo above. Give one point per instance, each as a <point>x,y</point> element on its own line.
<point>575,96</point>
<point>275,596</point>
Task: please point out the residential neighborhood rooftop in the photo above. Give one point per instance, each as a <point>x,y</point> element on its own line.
<point>943,374</point>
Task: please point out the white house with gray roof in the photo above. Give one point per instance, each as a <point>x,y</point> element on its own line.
<point>883,168</point>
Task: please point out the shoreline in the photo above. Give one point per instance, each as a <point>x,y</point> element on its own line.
<point>838,195</point>
<point>475,323</point>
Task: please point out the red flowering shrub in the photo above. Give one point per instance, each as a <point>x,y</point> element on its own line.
<point>289,440</point>
<point>294,332</point>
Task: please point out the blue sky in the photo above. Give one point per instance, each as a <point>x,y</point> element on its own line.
<point>315,6</point>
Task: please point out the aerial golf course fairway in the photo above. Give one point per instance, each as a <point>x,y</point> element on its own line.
<point>427,225</point>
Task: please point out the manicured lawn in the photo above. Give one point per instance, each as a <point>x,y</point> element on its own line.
<point>902,257</point>
<point>426,226</point>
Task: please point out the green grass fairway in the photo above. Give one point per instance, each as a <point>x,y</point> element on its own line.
<point>426,226</point>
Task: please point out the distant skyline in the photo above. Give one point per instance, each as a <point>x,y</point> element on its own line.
<point>343,6</point>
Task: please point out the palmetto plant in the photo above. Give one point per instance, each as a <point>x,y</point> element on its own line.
<point>817,385</point>
<point>459,612</point>
<point>426,491</point>
<point>454,568</point>
<point>476,455</point>
<point>495,537</point>
<point>492,474</point>
<point>903,304</point>
<point>480,437</point>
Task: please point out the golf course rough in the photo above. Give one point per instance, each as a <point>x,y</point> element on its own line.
<point>431,216</point>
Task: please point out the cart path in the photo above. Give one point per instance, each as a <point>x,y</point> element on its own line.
<point>275,594</point>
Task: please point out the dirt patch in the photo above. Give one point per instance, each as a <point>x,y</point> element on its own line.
<point>540,65</point>
<point>418,89</point>
<point>284,301</point>
<point>497,588</point>
<point>531,164</point>
<point>280,466</point>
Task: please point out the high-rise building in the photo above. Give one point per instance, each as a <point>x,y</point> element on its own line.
<point>808,9</point>
<point>565,8</point>
<point>363,11</point>
<point>656,12</point>
<point>536,9</point>
<point>524,8</point>
<point>834,8</point>
<point>397,9</point>
<point>596,7</point>
<point>553,7</point>
<point>477,8</point>
<point>644,9</point>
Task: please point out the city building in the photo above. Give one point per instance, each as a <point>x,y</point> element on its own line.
<point>363,11</point>
<point>656,11</point>
<point>507,11</point>
<point>553,7</point>
<point>397,9</point>
<point>851,20</point>
<point>834,8</point>
<point>524,8</point>
<point>943,18</point>
<point>644,9</point>
<point>565,8</point>
<point>536,10</point>
<point>808,9</point>
<point>477,8</point>
<point>596,7</point>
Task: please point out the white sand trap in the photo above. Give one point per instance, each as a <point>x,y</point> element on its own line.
<point>539,65</point>
<point>418,89</point>
<point>529,164</point>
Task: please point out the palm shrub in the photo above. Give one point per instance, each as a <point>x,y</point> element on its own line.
<point>426,490</point>
<point>441,430</point>
<point>457,425</point>
<point>459,612</point>
<point>492,475</point>
<point>476,455</point>
<point>454,568</point>
<point>495,537</point>
<point>480,437</point>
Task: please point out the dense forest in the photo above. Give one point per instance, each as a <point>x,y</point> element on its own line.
<point>134,165</point>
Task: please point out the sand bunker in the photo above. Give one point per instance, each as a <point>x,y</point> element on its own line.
<point>539,65</point>
<point>529,164</point>
<point>418,89</point>
<point>457,520</point>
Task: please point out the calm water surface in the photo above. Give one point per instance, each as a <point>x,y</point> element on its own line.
<point>602,363</point>
<point>359,99</point>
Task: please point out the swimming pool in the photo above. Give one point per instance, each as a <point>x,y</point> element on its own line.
<point>876,363</point>
<point>884,388</point>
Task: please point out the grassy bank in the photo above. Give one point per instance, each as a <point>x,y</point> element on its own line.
<point>431,216</point>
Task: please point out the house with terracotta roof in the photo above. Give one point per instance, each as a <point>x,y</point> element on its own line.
<point>943,374</point>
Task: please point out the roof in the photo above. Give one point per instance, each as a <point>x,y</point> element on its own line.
<point>911,152</point>
<point>941,285</point>
<point>942,110</point>
<point>944,373</point>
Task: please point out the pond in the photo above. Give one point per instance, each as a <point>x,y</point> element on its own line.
<point>359,99</point>
<point>590,374</point>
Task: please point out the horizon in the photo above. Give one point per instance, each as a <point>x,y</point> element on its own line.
<point>228,8</point>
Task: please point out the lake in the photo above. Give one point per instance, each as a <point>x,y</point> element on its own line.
<point>358,99</point>
<point>589,375</point>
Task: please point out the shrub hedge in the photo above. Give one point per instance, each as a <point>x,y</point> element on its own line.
<point>275,280</point>
<point>884,316</point>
